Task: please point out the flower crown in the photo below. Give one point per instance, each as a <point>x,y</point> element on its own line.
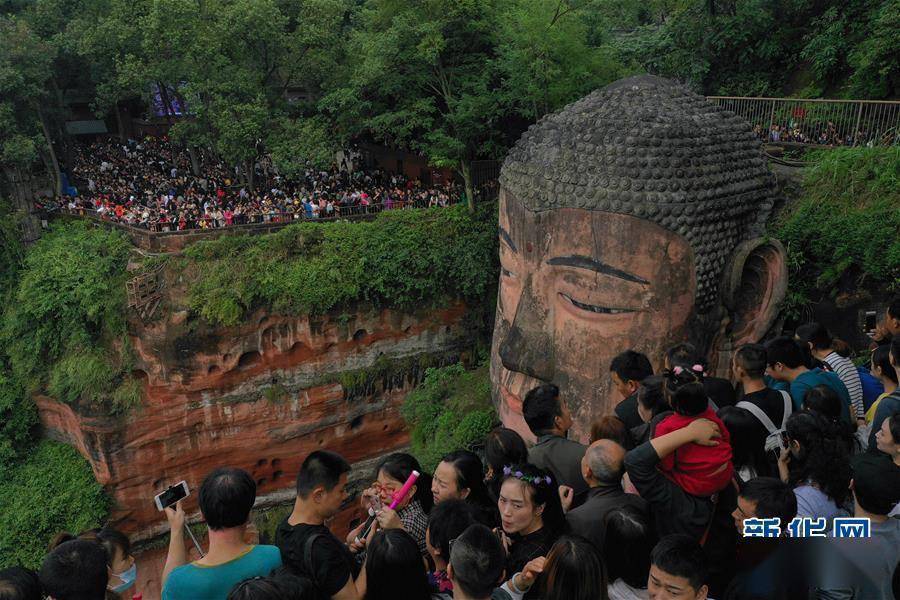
<point>532,479</point>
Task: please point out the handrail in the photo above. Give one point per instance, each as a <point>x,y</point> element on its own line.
<point>836,100</point>
<point>816,121</point>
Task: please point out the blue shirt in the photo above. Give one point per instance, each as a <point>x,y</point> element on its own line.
<point>200,582</point>
<point>810,379</point>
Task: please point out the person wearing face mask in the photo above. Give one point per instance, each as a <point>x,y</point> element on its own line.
<point>121,567</point>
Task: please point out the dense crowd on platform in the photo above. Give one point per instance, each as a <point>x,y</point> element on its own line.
<point>823,134</point>
<point>150,184</point>
<point>694,487</point>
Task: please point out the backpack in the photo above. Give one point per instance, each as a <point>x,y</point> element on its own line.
<point>774,438</point>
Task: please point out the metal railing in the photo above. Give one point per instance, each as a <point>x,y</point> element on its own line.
<point>805,121</point>
<point>264,218</point>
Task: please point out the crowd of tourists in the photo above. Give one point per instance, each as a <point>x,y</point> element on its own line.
<point>823,134</point>
<point>150,184</point>
<point>694,487</point>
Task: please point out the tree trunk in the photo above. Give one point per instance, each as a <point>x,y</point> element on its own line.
<point>466,169</point>
<point>55,175</point>
<point>251,172</point>
<point>195,162</point>
<point>119,123</point>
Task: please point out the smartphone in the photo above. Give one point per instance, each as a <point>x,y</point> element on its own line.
<point>871,321</point>
<point>168,498</point>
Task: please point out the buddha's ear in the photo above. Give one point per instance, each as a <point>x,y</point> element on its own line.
<point>755,283</point>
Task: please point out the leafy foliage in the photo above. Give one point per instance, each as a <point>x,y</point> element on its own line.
<point>403,259</point>
<point>843,231</point>
<point>451,409</point>
<point>53,490</point>
<point>68,312</point>
<point>18,422</point>
<point>763,48</point>
<point>455,80</point>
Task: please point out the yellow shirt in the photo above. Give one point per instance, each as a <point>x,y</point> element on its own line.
<point>870,414</point>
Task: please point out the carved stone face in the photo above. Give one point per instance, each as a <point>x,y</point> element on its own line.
<point>578,287</point>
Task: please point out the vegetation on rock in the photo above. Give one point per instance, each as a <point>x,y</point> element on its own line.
<point>53,490</point>
<point>404,259</point>
<point>63,329</point>
<point>841,234</point>
<point>450,410</point>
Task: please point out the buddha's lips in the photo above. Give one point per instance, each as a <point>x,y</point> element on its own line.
<point>512,401</point>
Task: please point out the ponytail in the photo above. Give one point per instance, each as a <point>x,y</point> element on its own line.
<point>684,389</point>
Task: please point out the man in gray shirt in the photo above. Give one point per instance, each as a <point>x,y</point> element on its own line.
<point>602,467</point>
<point>862,568</point>
<point>549,419</point>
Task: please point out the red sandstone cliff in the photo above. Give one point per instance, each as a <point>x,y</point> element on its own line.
<point>259,396</point>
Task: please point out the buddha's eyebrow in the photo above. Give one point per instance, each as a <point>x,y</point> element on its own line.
<point>504,235</point>
<point>586,262</point>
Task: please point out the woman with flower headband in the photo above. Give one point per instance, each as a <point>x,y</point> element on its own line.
<point>531,515</point>
<point>699,470</point>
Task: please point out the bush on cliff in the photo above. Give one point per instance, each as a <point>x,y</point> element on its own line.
<point>450,410</point>
<point>66,315</point>
<point>402,259</point>
<point>18,422</point>
<point>52,490</point>
<point>842,233</point>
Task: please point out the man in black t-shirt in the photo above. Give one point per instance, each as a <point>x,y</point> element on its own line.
<point>749,368</point>
<point>308,548</point>
<point>627,370</point>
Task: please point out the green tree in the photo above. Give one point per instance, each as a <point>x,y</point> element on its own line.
<point>446,77</point>
<point>232,62</point>
<point>549,54</point>
<point>25,131</point>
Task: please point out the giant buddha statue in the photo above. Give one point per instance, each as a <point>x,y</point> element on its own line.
<point>631,219</point>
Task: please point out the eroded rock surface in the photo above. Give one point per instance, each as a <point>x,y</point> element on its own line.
<point>259,396</point>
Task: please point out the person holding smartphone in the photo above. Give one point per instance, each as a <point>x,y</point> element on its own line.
<point>226,498</point>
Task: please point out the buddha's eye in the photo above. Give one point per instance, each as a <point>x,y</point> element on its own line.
<point>603,310</point>
<point>506,272</point>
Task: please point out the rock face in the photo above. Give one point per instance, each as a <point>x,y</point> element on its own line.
<point>259,396</point>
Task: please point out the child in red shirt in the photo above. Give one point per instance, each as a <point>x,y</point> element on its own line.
<point>698,470</point>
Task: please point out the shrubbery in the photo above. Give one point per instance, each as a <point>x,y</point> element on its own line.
<point>402,259</point>
<point>67,313</point>
<point>843,232</point>
<point>451,409</point>
<point>52,490</point>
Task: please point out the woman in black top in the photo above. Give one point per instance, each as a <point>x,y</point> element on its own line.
<point>460,476</point>
<point>531,515</point>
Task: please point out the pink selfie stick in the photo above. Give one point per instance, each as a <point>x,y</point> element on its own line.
<point>399,496</point>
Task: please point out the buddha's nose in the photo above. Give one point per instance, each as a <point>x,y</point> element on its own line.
<point>527,348</point>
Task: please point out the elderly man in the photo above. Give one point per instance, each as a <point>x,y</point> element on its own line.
<point>602,468</point>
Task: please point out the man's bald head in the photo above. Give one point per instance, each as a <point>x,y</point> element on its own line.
<point>603,462</point>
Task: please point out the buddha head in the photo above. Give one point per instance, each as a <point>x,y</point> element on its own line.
<point>631,219</point>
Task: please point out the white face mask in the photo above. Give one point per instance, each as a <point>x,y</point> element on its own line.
<point>127,578</point>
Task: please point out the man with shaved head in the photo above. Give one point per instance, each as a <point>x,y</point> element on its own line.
<point>602,468</point>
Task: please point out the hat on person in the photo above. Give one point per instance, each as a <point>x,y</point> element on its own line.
<point>876,482</point>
